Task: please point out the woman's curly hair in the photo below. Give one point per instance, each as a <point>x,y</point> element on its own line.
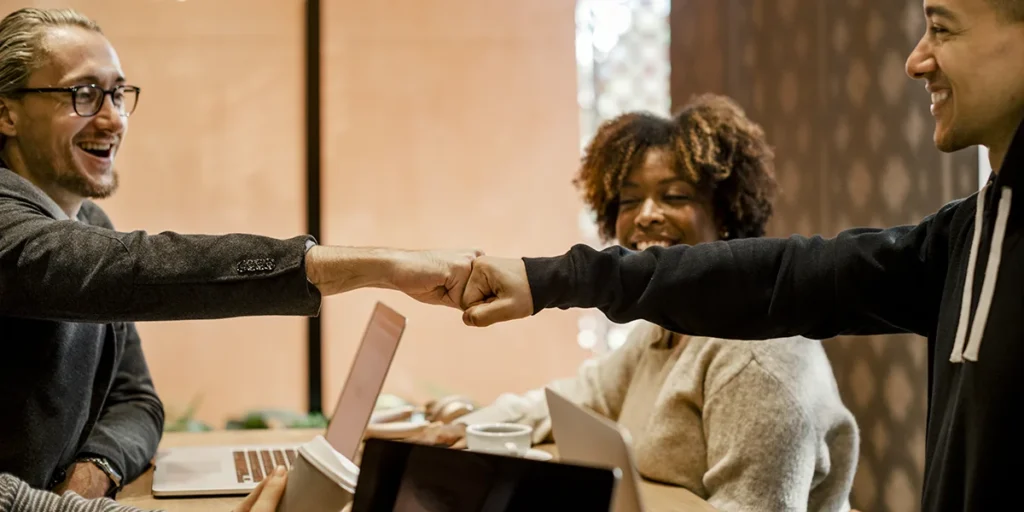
<point>713,145</point>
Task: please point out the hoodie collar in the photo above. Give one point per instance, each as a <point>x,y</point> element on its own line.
<point>1009,175</point>
<point>1013,164</point>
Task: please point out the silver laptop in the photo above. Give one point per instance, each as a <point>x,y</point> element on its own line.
<point>585,437</point>
<point>236,470</point>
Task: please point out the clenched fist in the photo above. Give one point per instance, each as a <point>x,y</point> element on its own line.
<point>498,290</point>
<point>434,277</point>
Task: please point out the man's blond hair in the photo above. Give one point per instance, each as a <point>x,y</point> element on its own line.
<point>21,44</point>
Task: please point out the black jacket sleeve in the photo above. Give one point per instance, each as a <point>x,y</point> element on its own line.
<point>130,426</point>
<point>863,281</point>
<point>73,271</point>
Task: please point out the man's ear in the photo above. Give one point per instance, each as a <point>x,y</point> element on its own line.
<point>8,116</point>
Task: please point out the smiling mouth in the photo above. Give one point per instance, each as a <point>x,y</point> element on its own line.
<point>939,99</point>
<point>644,244</point>
<point>96,149</point>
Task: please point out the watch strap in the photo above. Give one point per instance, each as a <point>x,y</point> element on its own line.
<point>115,478</point>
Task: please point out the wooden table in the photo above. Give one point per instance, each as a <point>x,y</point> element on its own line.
<point>139,493</point>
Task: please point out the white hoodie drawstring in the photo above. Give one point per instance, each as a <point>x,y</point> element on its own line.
<point>988,285</point>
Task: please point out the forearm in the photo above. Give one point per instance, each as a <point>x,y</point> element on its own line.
<point>336,270</point>
<point>17,496</point>
<point>864,281</point>
<point>127,435</point>
<point>131,424</point>
<point>600,385</point>
<point>746,289</point>
<point>529,408</point>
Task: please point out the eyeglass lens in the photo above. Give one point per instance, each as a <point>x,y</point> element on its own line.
<point>89,100</point>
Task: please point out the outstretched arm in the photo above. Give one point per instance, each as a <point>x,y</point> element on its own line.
<point>77,271</point>
<point>861,282</point>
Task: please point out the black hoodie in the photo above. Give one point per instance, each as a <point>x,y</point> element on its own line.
<point>863,281</point>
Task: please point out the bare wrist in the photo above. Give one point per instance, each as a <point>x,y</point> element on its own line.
<point>335,269</point>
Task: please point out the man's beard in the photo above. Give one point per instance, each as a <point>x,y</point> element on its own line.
<point>79,185</point>
<point>68,178</point>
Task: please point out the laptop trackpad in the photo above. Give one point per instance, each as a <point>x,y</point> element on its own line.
<point>197,466</point>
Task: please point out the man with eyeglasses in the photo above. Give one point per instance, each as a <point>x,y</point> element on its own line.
<point>80,410</point>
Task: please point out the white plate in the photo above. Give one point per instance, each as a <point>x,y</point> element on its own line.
<point>534,454</point>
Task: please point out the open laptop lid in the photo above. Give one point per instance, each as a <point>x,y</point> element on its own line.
<point>400,476</point>
<point>585,437</point>
<point>365,380</point>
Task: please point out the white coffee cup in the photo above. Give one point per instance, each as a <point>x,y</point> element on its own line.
<point>500,438</point>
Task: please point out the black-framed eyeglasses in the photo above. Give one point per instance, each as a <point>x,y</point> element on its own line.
<point>87,100</point>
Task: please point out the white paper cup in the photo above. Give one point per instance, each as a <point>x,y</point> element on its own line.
<point>320,480</point>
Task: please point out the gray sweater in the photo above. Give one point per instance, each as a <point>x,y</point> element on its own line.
<point>74,376</point>
<point>17,496</point>
<point>745,425</point>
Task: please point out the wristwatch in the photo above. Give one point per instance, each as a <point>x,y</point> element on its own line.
<point>112,474</point>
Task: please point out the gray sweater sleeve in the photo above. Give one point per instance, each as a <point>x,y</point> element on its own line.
<point>17,496</point>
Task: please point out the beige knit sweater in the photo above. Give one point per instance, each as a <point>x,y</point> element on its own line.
<point>746,425</point>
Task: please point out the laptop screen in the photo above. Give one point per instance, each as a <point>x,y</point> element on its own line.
<point>397,476</point>
<point>365,380</point>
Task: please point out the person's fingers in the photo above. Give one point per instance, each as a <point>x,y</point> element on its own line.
<point>448,436</point>
<point>478,285</point>
<point>246,504</point>
<point>460,444</point>
<point>271,495</point>
<point>489,313</point>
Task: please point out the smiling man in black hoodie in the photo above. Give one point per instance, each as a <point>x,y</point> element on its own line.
<point>956,278</point>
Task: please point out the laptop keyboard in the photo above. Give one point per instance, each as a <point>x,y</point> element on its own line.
<point>254,465</point>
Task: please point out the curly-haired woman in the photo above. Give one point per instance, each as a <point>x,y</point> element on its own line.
<point>747,425</point>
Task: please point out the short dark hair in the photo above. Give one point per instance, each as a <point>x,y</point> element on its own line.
<point>713,144</point>
<point>1011,10</point>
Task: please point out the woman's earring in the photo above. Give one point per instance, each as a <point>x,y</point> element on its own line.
<point>724,234</point>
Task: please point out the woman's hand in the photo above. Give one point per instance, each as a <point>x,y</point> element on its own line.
<point>453,434</point>
<point>265,496</point>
